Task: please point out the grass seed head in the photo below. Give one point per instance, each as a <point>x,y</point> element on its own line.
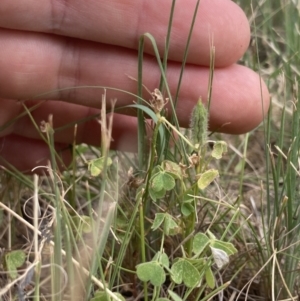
<point>199,124</point>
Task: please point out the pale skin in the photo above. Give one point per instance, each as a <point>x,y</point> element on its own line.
<point>49,45</point>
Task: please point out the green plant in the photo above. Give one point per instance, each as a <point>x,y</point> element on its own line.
<point>164,224</point>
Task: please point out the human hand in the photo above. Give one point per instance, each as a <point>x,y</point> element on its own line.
<point>50,45</point>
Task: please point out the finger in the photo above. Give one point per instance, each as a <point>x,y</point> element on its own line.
<point>34,70</point>
<point>121,23</point>
<point>25,147</point>
<point>9,110</point>
<point>25,154</point>
<point>72,124</point>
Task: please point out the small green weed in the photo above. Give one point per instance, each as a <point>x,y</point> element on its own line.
<point>174,222</point>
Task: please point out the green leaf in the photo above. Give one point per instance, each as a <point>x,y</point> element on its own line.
<point>220,257</point>
<point>157,194</point>
<point>81,149</point>
<point>156,170</point>
<point>200,242</point>
<point>157,183</point>
<point>161,181</point>
<point>151,271</point>
<point>211,235</point>
<point>198,263</point>
<point>187,208</point>
<point>169,224</point>
<point>207,177</point>
<point>220,147</point>
<point>174,296</point>
<point>162,258</point>
<point>162,299</point>
<point>172,168</point>
<point>158,220</point>
<point>102,296</point>
<point>14,260</point>
<point>184,271</point>
<point>96,166</point>
<point>210,279</point>
<point>188,204</point>
<point>227,247</point>
<point>154,117</point>
<point>168,181</point>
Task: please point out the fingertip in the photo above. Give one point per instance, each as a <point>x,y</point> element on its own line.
<point>232,47</point>
<point>227,29</point>
<point>241,104</point>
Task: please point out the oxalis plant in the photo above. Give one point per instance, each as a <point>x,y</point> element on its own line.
<point>165,213</point>
<point>160,245</point>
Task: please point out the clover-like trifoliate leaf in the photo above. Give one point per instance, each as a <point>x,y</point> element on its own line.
<point>207,177</point>
<point>151,271</point>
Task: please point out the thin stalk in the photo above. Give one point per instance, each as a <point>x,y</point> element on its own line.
<point>56,278</point>
<point>165,121</point>
<point>191,221</point>
<point>243,165</point>
<point>140,113</point>
<point>184,60</point>
<point>166,52</point>
<point>211,75</point>
<point>151,164</point>
<point>190,224</point>
<point>142,246</point>
<point>186,51</point>
<point>126,239</point>
<point>269,166</point>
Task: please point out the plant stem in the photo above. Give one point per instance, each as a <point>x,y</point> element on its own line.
<point>151,163</point>
<point>164,120</point>
<point>142,246</point>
